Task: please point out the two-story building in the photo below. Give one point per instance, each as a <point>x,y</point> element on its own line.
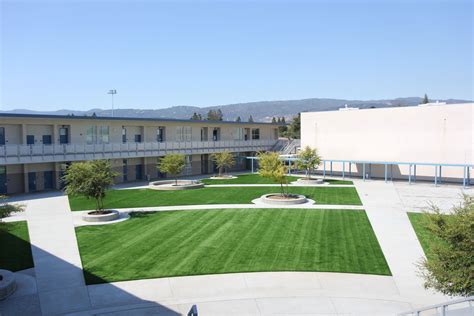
<point>36,149</point>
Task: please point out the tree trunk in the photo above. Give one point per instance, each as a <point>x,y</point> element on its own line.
<point>221,169</point>
<point>176,181</point>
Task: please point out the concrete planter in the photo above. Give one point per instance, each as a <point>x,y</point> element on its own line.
<point>113,215</point>
<point>309,181</point>
<point>276,199</point>
<point>170,185</point>
<point>7,284</point>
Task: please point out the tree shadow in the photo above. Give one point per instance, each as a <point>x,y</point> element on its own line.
<point>58,287</point>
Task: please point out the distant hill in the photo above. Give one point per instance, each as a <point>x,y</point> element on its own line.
<point>261,111</point>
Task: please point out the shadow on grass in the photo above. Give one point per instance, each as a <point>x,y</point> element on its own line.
<point>60,288</point>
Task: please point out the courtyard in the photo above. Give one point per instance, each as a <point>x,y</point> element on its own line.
<point>354,249</point>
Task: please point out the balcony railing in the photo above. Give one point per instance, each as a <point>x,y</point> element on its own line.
<point>13,154</point>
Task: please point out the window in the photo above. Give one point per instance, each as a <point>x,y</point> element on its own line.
<point>124,134</point>
<point>183,133</point>
<point>255,133</point>
<point>238,133</point>
<point>91,135</point>
<point>160,134</point>
<point>104,134</point>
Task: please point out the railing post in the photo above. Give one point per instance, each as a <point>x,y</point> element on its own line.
<point>343,169</point>
<point>324,168</point>
<point>385,173</point>
<point>363,171</point>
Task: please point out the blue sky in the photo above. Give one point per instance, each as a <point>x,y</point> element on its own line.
<point>68,54</point>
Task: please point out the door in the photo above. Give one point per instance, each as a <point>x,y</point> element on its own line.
<point>138,172</point>
<point>30,139</point>
<point>160,134</point>
<point>215,134</point>
<point>138,138</point>
<point>125,170</point>
<point>48,180</point>
<point>31,181</point>
<point>2,136</point>
<point>3,180</point>
<point>63,135</point>
<point>47,140</point>
<point>124,135</point>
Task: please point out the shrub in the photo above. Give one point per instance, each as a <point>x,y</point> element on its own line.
<point>271,166</point>
<point>450,268</point>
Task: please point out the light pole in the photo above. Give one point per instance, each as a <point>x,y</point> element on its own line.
<point>112,92</point>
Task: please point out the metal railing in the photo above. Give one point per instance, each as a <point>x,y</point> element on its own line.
<point>443,309</point>
<point>291,147</point>
<point>13,154</point>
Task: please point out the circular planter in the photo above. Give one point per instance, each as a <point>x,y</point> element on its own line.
<point>309,181</point>
<point>170,185</point>
<point>225,177</point>
<point>111,215</point>
<point>277,199</point>
<point>7,284</point>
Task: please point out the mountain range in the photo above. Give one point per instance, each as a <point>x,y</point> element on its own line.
<point>262,111</point>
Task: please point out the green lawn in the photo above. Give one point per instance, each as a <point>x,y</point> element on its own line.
<point>258,179</point>
<point>162,244</point>
<point>15,249</point>
<point>424,236</point>
<point>220,195</point>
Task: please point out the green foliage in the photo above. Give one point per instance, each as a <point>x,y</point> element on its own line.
<point>238,119</point>
<point>309,160</point>
<point>214,115</point>
<point>196,117</point>
<point>250,119</point>
<point>450,265</point>
<point>90,179</point>
<point>425,99</point>
<point>294,130</point>
<point>7,209</point>
<point>173,164</point>
<point>271,166</point>
<point>223,160</point>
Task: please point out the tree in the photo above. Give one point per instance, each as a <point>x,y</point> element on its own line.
<point>214,115</point>
<point>294,130</point>
<point>223,160</point>
<point>91,179</point>
<point>274,120</point>
<point>271,166</point>
<point>425,99</point>
<point>250,119</point>
<point>173,164</point>
<point>282,129</point>
<point>196,117</point>
<point>450,265</point>
<point>7,209</point>
<point>308,160</point>
<point>238,119</point>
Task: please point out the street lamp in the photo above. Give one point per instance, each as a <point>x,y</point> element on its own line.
<point>112,92</point>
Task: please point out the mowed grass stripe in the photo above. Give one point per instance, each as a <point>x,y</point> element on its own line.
<point>178,243</point>
<point>135,198</point>
<point>258,179</point>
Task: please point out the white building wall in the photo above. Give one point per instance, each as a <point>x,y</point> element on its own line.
<point>428,134</point>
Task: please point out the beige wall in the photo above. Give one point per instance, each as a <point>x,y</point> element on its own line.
<point>17,128</point>
<point>427,134</point>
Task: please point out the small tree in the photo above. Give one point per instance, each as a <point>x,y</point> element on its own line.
<point>308,160</point>
<point>250,119</point>
<point>7,209</point>
<point>223,160</point>
<point>271,166</point>
<point>238,119</point>
<point>425,99</point>
<point>173,164</point>
<point>91,179</point>
<point>450,266</point>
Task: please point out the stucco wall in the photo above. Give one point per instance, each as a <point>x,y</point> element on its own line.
<point>429,134</point>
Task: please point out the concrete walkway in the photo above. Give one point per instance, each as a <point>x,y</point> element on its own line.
<point>58,268</point>
<point>61,288</point>
<point>397,239</point>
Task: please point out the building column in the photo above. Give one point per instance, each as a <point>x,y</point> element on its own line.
<point>23,134</point>
<point>25,178</point>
